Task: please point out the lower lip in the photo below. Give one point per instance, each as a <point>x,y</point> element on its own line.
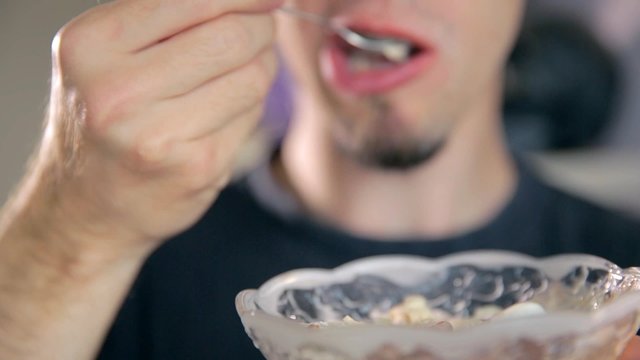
<point>335,66</point>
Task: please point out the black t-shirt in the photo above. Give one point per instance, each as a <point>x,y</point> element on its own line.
<point>182,304</point>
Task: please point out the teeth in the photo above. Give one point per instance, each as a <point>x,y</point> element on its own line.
<point>393,49</point>
<point>397,52</point>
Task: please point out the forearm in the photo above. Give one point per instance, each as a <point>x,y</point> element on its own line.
<point>56,302</point>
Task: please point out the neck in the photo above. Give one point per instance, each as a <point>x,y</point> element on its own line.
<point>462,188</point>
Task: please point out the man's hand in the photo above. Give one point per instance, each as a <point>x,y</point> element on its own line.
<point>150,101</point>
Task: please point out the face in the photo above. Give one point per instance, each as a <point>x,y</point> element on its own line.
<point>397,113</point>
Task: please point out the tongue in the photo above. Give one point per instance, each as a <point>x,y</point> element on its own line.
<point>360,61</point>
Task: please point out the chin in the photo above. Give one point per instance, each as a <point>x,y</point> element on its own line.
<point>394,157</point>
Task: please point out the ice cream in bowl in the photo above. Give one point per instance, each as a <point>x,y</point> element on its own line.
<point>474,305</point>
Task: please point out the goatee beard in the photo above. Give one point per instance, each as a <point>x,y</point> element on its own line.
<point>380,152</point>
<point>385,157</point>
<point>401,159</point>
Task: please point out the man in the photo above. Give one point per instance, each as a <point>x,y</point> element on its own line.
<point>150,101</point>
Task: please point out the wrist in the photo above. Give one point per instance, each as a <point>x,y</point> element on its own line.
<point>66,255</point>
<point>44,224</point>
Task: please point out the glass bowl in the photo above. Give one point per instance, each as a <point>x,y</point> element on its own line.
<point>590,309</point>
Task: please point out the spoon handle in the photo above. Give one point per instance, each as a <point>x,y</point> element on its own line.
<point>318,19</point>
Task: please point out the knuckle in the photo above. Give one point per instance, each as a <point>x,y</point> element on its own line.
<point>229,37</point>
<point>81,37</point>
<point>254,117</point>
<point>108,103</point>
<point>260,75</point>
<point>141,9</point>
<point>263,30</point>
<point>251,119</point>
<point>269,64</point>
<point>271,28</point>
<point>68,43</point>
<point>114,30</point>
<point>201,169</point>
<point>146,154</point>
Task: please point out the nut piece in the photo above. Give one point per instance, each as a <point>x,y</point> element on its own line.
<point>520,310</point>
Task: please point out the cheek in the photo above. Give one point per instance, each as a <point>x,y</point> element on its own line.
<point>485,36</point>
<point>490,33</point>
<point>429,96</point>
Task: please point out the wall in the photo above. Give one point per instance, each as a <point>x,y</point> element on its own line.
<point>26,30</point>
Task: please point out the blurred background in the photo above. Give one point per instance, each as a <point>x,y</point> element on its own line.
<point>573,84</point>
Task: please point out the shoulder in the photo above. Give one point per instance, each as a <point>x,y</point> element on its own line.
<point>237,209</point>
<point>236,200</point>
<point>577,209</point>
<point>582,225</point>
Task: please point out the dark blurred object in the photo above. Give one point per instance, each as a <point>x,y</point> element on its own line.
<point>561,87</point>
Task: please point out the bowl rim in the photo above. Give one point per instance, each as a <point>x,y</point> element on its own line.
<point>246,304</point>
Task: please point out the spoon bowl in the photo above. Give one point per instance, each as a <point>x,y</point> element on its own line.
<point>393,50</point>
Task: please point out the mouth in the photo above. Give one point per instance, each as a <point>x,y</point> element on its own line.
<point>359,71</point>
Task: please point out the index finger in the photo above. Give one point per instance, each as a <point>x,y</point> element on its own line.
<point>138,24</point>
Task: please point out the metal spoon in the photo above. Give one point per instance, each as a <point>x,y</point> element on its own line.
<point>392,49</point>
